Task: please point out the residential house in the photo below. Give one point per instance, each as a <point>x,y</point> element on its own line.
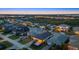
<point>58,39</point>
<point>35,30</point>
<point>21,30</point>
<point>8,27</point>
<point>41,38</point>
<point>74,40</point>
<point>62,28</point>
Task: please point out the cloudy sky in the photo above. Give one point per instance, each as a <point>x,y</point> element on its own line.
<point>39,10</point>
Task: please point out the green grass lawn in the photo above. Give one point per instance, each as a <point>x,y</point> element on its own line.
<point>6,44</point>
<point>1,30</point>
<point>24,41</point>
<point>37,47</point>
<point>14,37</point>
<point>5,33</point>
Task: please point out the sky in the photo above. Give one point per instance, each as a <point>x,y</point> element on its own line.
<point>39,10</point>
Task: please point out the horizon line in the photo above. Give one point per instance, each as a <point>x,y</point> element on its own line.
<point>39,12</point>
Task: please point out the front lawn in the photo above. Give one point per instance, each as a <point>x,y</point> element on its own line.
<point>14,37</point>
<point>5,33</point>
<point>6,44</point>
<point>24,41</point>
<point>1,30</point>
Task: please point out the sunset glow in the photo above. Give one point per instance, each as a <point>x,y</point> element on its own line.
<point>39,11</point>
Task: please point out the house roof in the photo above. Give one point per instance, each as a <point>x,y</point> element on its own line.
<point>22,28</point>
<point>15,27</point>
<point>58,39</point>
<point>8,26</point>
<point>75,28</point>
<point>35,31</point>
<point>43,35</point>
<point>64,25</point>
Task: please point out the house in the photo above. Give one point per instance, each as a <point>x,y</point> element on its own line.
<point>41,38</point>
<point>74,40</point>
<point>16,29</point>
<point>58,39</point>
<point>19,20</point>
<point>11,20</point>
<point>8,27</point>
<point>58,29</point>
<point>27,23</point>
<point>35,30</point>
<point>62,28</point>
<point>21,30</point>
<point>76,30</point>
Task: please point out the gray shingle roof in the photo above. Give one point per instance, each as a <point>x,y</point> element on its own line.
<point>43,35</point>
<point>57,39</point>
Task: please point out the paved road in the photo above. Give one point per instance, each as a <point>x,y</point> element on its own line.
<point>2,40</point>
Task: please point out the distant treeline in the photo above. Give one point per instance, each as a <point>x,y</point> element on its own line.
<point>72,22</point>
